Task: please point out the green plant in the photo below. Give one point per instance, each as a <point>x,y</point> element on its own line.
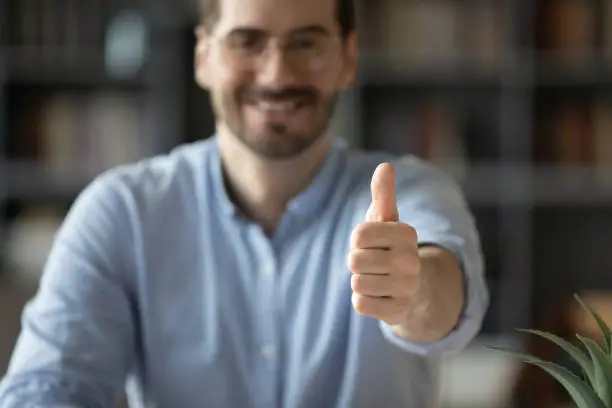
<point>594,388</point>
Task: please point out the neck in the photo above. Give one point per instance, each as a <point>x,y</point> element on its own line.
<point>261,187</point>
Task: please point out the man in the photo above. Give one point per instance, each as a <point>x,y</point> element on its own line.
<point>268,266</point>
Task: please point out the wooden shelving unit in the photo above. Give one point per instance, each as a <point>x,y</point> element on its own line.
<point>84,86</point>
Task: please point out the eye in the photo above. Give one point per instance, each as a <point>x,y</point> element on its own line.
<point>245,41</point>
<point>304,43</point>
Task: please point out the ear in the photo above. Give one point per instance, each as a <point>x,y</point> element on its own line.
<point>350,61</point>
<point>200,60</point>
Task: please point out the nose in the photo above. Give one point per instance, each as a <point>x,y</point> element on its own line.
<point>275,70</point>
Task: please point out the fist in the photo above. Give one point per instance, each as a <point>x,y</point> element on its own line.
<point>383,257</point>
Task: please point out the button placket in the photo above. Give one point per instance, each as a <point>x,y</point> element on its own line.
<point>269,268</point>
<point>267,350</point>
<point>267,330</point>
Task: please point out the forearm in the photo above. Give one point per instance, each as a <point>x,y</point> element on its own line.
<point>443,301</point>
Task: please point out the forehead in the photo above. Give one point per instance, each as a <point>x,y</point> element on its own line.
<point>277,16</point>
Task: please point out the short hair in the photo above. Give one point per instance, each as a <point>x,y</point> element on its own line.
<point>209,12</point>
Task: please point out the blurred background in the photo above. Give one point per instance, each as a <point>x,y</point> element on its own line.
<point>511,97</point>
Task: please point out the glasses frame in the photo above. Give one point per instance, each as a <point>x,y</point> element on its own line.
<point>291,53</point>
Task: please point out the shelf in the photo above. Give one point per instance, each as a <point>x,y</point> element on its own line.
<point>33,181</point>
<point>538,186</point>
<point>571,186</point>
<point>62,67</point>
<point>493,185</point>
<point>529,69</point>
<point>592,75</point>
<point>385,71</point>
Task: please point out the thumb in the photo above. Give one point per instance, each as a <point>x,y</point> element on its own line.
<point>384,205</point>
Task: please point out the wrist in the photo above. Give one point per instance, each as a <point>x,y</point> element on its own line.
<point>437,311</point>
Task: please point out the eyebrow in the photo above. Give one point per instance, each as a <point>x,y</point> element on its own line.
<point>311,29</point>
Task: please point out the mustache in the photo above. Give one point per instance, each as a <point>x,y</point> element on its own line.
<point>276,95</point>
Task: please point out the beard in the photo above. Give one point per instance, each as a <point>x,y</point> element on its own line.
<point>276,138</point>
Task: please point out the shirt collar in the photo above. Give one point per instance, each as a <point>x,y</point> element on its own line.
<point>308,202</point>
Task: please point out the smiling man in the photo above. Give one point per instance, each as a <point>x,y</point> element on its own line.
<point>267,266</point>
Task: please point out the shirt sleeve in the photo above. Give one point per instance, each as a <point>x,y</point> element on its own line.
<point>75,346</point>
<point>433,204</point>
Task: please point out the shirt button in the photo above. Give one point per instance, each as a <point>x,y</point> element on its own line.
<point>267,351</point>
<point>269,268</point>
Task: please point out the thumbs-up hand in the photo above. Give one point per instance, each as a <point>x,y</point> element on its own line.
<point>384,258</point>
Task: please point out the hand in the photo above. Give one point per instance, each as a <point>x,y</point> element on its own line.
<point>384,257</point>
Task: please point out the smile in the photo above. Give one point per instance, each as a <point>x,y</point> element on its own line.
<point>279,107</point>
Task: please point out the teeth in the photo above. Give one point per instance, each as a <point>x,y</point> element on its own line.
<point>276,106</point>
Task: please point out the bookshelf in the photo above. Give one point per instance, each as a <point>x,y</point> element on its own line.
<point>448,81</point>
<point>84,86</point>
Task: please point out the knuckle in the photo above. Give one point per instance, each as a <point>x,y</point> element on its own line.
<point>359,303</point>
<point>356,283</point>
<point>350,261</point>
<point>359,234</point>
<point>354,261</point>
<point>411,232</point>
<point>355,236</point>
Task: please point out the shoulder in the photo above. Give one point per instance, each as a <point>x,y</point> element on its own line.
<point>157,175</point>
<point>123,199</point>
<point>412,173</point>
<point>154,180</point>
<point>420,186</point>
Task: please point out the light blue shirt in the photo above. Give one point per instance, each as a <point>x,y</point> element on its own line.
<point>155,280</point>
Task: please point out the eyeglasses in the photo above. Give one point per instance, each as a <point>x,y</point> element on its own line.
<point>304,51</point>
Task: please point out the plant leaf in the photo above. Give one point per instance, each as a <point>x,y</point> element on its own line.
<point>581,357</point>
<point>602,369</point>
<point>582,395</point>
<point>603,327</point>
